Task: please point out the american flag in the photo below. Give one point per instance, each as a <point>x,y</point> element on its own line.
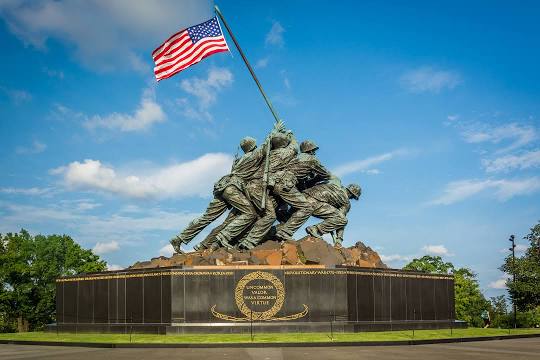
<point>188,47</point>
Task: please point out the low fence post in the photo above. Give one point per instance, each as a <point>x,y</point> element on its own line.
<point>251,324</point>
<point>414,322</point>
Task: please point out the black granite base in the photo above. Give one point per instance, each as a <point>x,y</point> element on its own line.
<point>265,298</point>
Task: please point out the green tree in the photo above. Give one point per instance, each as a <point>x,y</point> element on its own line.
<point>469,300</point>
<point>430,264</point>
<point>499,311</point>
<point>525,291</point>
<point>499,305</point>
<point>29,266</point>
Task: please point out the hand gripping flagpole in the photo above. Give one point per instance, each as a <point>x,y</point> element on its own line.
<point>272,110</point>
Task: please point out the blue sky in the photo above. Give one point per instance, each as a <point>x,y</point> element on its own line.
<point>434,109</point>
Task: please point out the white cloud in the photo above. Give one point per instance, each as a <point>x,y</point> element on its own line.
<point>395,258</point>
<point>373,171</point>
<point>398,260</point>
<point>275,35</point>
<point>147,225</point>
<point>191,178</point>
<point>16,96</point>
<point>499,283</point>
<point>54,73</point>
<point>105,247</point>
<point>439,250</point>
<point>284,98</point>
<point>521,248</point>
<point>452,117</point>
<point>105,35</point>
<point>526,160</point>
<point>460,190</point>
<point>167,250</point>
<point>205,91</point>
<point>507,189</point>
<point>427,79</point>
<point>517,135</point>
<point>36,148</point>
<point>148,113</point>
<point>63,113</point>
<point>511,150</point>
<point>113,267</point>
<point>286,81</point>
<point>365,165</point>
<point>262,63</point>
<point>502,189</point>
<point>33,191</point>
<point>87,205</point>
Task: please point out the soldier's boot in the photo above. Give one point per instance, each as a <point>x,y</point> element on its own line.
<point>247,245</point>
<point>223,242</point>
<point>176,242</point>
<point>283,236</point>
<point>313,230</point>
<point>338,242</point>
<point>200,247</point>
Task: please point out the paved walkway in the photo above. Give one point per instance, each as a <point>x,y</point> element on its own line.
<point>515,349</point>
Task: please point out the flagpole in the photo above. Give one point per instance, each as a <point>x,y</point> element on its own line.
<point>272,110</point>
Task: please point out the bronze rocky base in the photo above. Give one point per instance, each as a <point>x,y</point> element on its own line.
<point>306,251</point>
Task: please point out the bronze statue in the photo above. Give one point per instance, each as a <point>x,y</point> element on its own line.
<point>331,203</point>
<point>273,182</point>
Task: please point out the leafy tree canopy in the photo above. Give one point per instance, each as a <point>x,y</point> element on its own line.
<point>499,306</point>
<point>525,291</point>
<point>29,266</point>
<point>430,264</point>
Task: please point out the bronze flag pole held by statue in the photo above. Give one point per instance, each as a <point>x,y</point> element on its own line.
<point>274,113</point>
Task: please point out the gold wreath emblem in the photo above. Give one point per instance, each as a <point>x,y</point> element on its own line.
<point>268,315</point>
<point>259,315</point>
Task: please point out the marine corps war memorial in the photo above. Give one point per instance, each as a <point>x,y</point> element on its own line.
<point>255,269</point>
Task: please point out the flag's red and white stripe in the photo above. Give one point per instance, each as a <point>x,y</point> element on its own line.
<point>179,52</point>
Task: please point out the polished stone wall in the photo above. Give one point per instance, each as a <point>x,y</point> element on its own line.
<point>236,296</point>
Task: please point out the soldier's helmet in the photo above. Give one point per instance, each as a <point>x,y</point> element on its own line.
<point>307,146</point>
<point>355,190</point>
<point>280,140</point>
<point>248,143</point>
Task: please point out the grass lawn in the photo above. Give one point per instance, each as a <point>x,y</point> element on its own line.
<point>262,338</point>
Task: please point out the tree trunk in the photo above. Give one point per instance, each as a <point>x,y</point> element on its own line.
<point>22,324</point>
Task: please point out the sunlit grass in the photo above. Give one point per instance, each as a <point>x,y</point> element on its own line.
<point>265,337</point>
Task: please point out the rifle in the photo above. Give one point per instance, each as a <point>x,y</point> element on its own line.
<point>265,174</point>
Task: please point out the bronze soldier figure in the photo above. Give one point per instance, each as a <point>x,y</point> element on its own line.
<point>283,150</point>
<point>296,184</point>
<point>302,171</point>
<point>228,192</point>
<point>308,168</point>
<point>331,203</point>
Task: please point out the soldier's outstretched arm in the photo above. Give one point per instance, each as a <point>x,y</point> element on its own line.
<point>345,209</point>
<point>279,127</point>
<point>322,171</point>
<point>293,145</point>
<point>263,148</point>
